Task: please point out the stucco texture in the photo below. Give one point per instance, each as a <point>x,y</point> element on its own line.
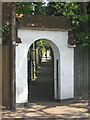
<point>65,55</point>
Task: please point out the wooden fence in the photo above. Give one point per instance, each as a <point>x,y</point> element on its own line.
<point>89,71</point>
<point>5,76</point>
<point>81,65</point>
<point>0,75</point>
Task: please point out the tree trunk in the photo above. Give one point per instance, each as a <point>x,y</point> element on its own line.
<point>83,11</point>
<point>83,8</point>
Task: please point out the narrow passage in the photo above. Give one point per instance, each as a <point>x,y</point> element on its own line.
<point>41,89</point>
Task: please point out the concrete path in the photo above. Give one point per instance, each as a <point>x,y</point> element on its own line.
<point>41,89</point>
<point>42,105</point>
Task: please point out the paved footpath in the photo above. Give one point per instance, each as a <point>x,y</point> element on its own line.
<point>41,89</point>
<point>41,104</point>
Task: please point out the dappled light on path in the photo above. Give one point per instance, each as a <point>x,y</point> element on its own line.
<point>66,109</point>
<point>42,105</point>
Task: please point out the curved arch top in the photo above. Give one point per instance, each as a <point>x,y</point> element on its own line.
<point>57,37</point>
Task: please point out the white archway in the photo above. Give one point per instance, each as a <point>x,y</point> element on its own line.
<point>65,56</point>
<point>56,54</point>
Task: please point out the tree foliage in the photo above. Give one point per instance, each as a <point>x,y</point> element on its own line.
<point>40,45</point>
<point>79,20</point>
<point>5,34</point>
<point>74,11</point>
<point>24,7</point>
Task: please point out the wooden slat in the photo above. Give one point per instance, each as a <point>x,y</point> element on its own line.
<point>89,70</point>
<point>0,74</point>
<point>81,71</point>
<point>5,76</point>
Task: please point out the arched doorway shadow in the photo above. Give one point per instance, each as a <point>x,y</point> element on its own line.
<point>43,78</point>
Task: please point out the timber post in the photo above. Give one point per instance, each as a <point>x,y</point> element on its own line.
<point>12,59</point>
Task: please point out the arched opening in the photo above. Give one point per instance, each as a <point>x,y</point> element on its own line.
<point>63,63</point>
<point>22,79</point>
<point>40,72</point>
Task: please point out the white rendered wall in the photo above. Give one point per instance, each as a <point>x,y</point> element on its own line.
<point>65,55</point>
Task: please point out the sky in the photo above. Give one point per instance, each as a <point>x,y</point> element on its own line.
<point>46,2</point>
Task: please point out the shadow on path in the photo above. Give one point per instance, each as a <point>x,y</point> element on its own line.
<point>41,89</point>
<point>43,107</point>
